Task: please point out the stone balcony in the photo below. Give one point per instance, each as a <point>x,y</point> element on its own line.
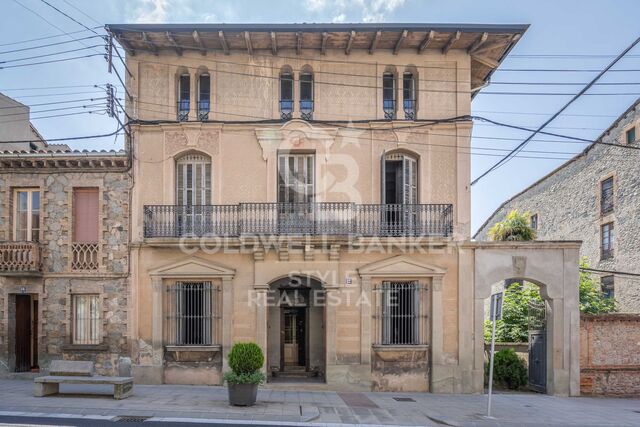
<point>20,259</point>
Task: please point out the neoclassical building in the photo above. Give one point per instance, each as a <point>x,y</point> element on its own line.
<point>306,187</point>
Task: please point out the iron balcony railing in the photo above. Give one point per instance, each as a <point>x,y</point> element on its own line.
<point>183,110</point>
<point>409,106</point>
<point>286,109</point>
<point>204,106</point>
<point>306,109</point>
<point>324,218</point>
<point>389,109</point>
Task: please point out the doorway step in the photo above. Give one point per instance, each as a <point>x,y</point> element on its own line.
<point>295,372</point>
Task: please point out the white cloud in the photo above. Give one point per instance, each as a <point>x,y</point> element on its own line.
<point>151,11</point>
<point>367,10</point>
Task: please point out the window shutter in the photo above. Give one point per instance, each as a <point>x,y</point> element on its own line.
<point>85,215</point>
<point>409,176</point>
<point>383,175</point>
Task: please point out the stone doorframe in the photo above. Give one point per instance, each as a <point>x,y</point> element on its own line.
<point>402,267</point>
<point>553,266</point>
<point>191,268</point>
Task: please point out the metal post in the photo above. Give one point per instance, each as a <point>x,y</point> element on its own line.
<point>493,342</point>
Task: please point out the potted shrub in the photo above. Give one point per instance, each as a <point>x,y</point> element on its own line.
<point>245,361</point>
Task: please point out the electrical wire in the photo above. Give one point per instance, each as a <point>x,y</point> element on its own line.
<point>54,103</point>
<point>68,16</point>
<point>48,45</point>
<point>52,61</point>
<point>45,37</point>
<point>49,54</point>
<point>72,138</point>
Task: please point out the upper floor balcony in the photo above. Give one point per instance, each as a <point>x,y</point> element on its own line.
<point>20,258</point>
<point>315,219</point>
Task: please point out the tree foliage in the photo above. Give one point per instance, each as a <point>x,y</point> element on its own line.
<point>515,227</point>
<point>513,327</point>
<point>509,370</point>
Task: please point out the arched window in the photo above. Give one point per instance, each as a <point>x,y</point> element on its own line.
<point>193,180</point>
<point>184,96</point>
<point>389,95</point>
<point>409,95</point>
<point>399,178</point>
<point>306,93</point>
<point>286,93</point>
<point>204,96</point>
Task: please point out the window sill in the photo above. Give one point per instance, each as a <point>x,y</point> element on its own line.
<point>392,347</point>
<point>84,347</point>
<point>210,348</point>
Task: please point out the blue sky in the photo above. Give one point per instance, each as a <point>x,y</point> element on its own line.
<point>597,29</point>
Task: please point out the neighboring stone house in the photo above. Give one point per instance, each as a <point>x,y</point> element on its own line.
<point>16,126</point>
<point>64,258</point>
<point>594,197</point>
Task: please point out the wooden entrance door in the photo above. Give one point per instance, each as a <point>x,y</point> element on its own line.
<point>293,343</point>
<point>23,333</point>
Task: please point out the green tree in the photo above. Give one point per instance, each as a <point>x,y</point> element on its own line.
<point>515,226</point>
<point>513,327</point>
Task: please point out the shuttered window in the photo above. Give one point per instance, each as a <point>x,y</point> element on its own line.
<point>193,180</point>
<point>85,215</point>
<point>27,215</point>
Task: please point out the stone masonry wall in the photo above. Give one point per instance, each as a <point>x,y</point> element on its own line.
<point>610,355</point>
<point>58,282</point>
<point>567,203</point>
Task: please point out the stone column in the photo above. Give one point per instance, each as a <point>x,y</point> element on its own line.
<point>365,320</point>
<point>330,322</point>
<point>261,316</point>
<point>227,320</point>
<point>157,309</point>
<point>436,321</point>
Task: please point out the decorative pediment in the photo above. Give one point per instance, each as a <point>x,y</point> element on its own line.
<point>295,134</point>
<point>400,266</point>
<point>193,267</point>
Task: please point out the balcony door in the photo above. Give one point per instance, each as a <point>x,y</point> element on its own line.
<point>26,215</point>
<point>399,182</point>
<point>296,188</point>
<point>193,194</point>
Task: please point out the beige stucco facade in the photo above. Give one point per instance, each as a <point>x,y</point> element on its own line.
<point>349,142</point>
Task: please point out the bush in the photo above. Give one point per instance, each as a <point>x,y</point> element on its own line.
<point>509,370</point>
<point>245,358</point>
<point>253,378</point>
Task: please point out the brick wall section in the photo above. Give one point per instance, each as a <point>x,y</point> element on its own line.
<point>610,355</point>
<point>567,203</point>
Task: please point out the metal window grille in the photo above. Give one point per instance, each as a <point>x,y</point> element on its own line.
<point>286,96</point>
<point>192,308</point>
<point>204,97</point>
<point>184,97</point>
<point>606,196</point>
<point>409,96</point>
<point>401,313</point>
<point>389,96</point>
<point>86,319</point>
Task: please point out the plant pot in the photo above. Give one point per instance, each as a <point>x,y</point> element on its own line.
<point>242,394</point>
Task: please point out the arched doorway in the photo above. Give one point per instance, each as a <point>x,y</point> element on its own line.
<point>296,329</point>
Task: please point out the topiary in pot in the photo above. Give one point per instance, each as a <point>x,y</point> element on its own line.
<point>245,361</point>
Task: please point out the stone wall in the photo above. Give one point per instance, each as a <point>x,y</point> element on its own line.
<point>610,355</point>
<point>55,286</point>
<point>567,203</point>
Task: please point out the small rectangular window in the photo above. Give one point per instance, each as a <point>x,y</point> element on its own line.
<point>630,135</point>
<point>534,221</point>
<point>400,313</point>
<point>606,196</point>
<point>27,215</point>
<point>86,319</point>
<point>607,284</point>
<point>204,97</point>
<point>184,95</point>
<point>607,240</point>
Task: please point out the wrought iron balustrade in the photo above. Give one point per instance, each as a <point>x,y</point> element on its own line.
<point>306,109</point>
<point>20,257</point>
<point>183,110</point>
<point>389,109</point>
<point>286,109</point>
<point>204,106</point>
<point>409,106</point>
<point>322,218</point>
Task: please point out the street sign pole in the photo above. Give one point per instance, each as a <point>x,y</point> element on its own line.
<point>496,312</point>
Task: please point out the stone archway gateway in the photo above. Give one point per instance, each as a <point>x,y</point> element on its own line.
<point>553,266</point>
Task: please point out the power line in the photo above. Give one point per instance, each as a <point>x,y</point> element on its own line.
<point>68,16</point>
<point>46,95</point>
<point>50,87</point>
<point>49,54</point>
<point>82,12</point>
<point>44,38</point>
<point>55,109</point>
<point>622,273</point>
<point>52,61</point>
<point>48,45</point>
<point>53,103</point>
<point>56,115</point>
<point>556,114</point>
<point>71,138</point>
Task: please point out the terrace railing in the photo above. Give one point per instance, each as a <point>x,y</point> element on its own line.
<point>317,219</point>
<point>20,257</point>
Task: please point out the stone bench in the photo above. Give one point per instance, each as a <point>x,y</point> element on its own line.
<point>78,372</point>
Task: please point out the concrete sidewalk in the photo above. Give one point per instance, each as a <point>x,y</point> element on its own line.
<point>285,407</point>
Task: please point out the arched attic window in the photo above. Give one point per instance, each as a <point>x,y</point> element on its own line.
<point>193,180</point>
<point>409,93</point>
<point>306,93</point>
<point>389,94</point>
<point>204,95</point>
<point>286,93</point>
<point>184,96</point>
